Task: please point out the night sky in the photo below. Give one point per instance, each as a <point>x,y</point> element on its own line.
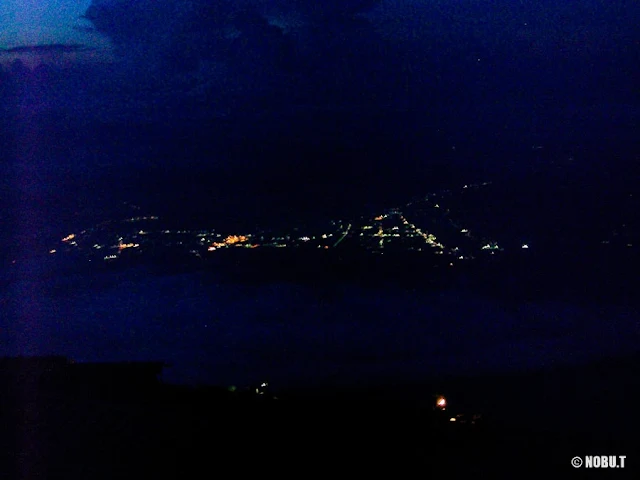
<point>337,106</point>
<point>237,114</point>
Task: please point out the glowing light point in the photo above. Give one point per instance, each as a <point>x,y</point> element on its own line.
<point>525,246</point>
<point>441,403</point>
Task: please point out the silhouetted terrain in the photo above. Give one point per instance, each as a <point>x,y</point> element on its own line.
<point>76,421</point>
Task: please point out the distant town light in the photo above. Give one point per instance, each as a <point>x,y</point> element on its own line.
<point>52,251</point>
<point>441,402</point>
<point>525,246</point>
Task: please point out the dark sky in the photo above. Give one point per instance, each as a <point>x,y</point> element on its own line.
<point>256,110</point>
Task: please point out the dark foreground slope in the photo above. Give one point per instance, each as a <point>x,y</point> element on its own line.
<point>105,422</point>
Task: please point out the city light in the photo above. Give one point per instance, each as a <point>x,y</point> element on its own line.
<point>371,234</point>
<point>233,239</point>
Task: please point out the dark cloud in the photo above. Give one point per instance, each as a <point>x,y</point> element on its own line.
<point>372,46</point>
<point>198,30</point>
<point>235,54</point>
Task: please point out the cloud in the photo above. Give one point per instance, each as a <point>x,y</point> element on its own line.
<point>47,48</point>
<point>196,30</point>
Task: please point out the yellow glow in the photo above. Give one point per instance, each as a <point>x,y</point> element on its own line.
<point>232,239</point>
<point>69,237</point>
<point>441,402</point>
